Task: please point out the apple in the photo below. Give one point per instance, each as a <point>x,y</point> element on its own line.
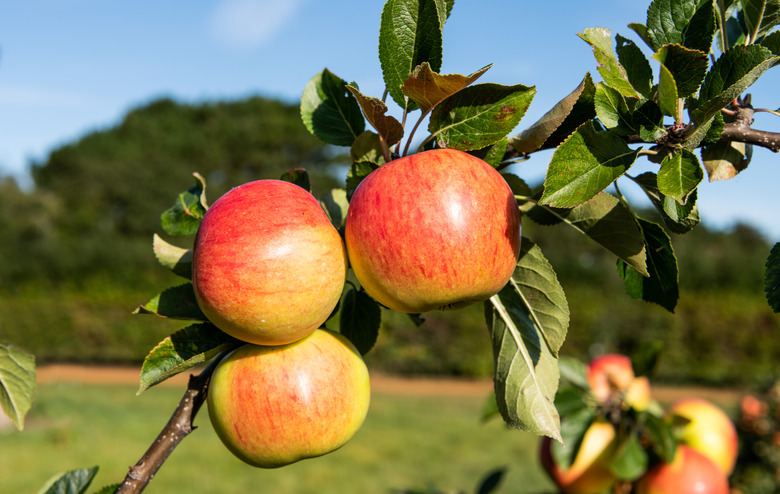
<point>637,395</point>
<point>589,473</point>
<point>268,267</point>
<point>611,379</point>
<point>710,431</point>
<point>689,473</point>
<point>275,405</point>
<point>434,230</point>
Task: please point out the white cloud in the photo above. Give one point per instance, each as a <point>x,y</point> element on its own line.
<point>249,24</point>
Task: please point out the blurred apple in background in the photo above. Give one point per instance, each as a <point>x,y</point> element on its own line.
<point>268,267</point>
<point>275,405</point>
<point>589,473</point>
<point>689,473</point>
<point>709,430</point>
<point>611,378</point>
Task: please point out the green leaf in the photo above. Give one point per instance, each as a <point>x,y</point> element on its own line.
<point>72,482</point>
<point>427,88</point>
<point>410,33</point>
<point>17,383</point>
<point>367,148</point>
<point>573,371</point>
<point>725,159</point>
<point>584,165</point>
<point>679,175</point>
<point>584,110</point>
<point>772,278</point>
<point>630,460</point>
<point>329,111</point>
<point>175,258</point>
<point>177,302</point>
<point>729,77</point>
<point>375,111</point>
<point>661,435</point>
<point>357,172</point>
<point>335,204</point>
<point>686,66</point>
<point>667,92</point>
<point>532,138</point>
<point>699,32</point>
<point>108,489</point>
<point>479,115</point>
<point>611,71</point>
<point>182,351</point>
<point>493,155</point>
<point>491,481</point>
<point>299,177</point>
<point>361,317</point>
<point>667,21</point>
<point>638,70</point>
<point>528,320</point>
<point>526,373</point>
<point>761,16</point>
<point>613,111</point>
<point>678,218</point>
<point>608,222</point>
<point>641,31</point>
<point>649,119</point>
<point>661,287</point>
<point>183,218</point>
<point>772,42</point>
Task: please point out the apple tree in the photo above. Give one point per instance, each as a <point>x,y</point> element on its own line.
<point>674,96</point>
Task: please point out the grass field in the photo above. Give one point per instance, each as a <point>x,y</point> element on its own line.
<point>406,442</point>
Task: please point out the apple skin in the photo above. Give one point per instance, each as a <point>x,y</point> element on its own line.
<point>689,473</point>
<point>434,230</point>
<point>710,431</point>
<point>608,374</point>
<point>589,472</point>
<point>275,405</point>
<point>268,267</point>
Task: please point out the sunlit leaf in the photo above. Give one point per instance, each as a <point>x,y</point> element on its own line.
<point>729,77</point>
<point>360,319</point>
<point>725,159</point>
<point>183,218</point>
<point>686,66</point>
<point>772,278</point>
<point>175,258</point>
<point>182,351</point>
<point>679,175</point>
<point>367,148</point>
<point>479,115</point>
<point>410,33</point>
<point>329,111</point>
<point>528,320</point>
<point>584,165</point>
<point>667,21</point>
<point>668,96</point>
<point>677,217</point>
<point>375,112</point>
<point>613,111</point>
<point>335,204</point>
<point>636,65</point>
<point>760,16</point>
<point>427,88</point>
<point>611,71</point>
<point>582,111</point>
<point>661,287</point>
<point>17,383</point>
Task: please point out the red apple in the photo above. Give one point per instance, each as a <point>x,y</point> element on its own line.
<point>689,473</point>
<point>710,431</point>
<point>434,230</point>
<point>609,374</point>
<point>589,473</point>
<point>275,405</point>
<point>268,267</point>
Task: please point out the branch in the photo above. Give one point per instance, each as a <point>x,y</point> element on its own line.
<point>178,427</point>
<point>740,131</point>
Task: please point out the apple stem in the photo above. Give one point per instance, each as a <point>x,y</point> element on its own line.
<point>178,427</point>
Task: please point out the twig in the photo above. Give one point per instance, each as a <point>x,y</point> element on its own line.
<point>178,427</point>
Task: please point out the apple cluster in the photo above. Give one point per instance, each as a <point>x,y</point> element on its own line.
<point>704,439</point>
<point>436,230</point>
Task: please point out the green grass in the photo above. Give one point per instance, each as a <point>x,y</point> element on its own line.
<point>406,442</point>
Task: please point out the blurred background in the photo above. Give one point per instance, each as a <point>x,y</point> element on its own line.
<point>107,108</point>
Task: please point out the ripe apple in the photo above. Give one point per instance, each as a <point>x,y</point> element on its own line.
<point>609,374</point>
<point>689,473</point>
<point>710,431</point>
<point>589,473</point>
<point>275,405</point>
<point>434,230</point>
<point>268,267</point>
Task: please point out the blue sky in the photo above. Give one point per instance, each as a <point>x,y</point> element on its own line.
<point>72,66</point>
